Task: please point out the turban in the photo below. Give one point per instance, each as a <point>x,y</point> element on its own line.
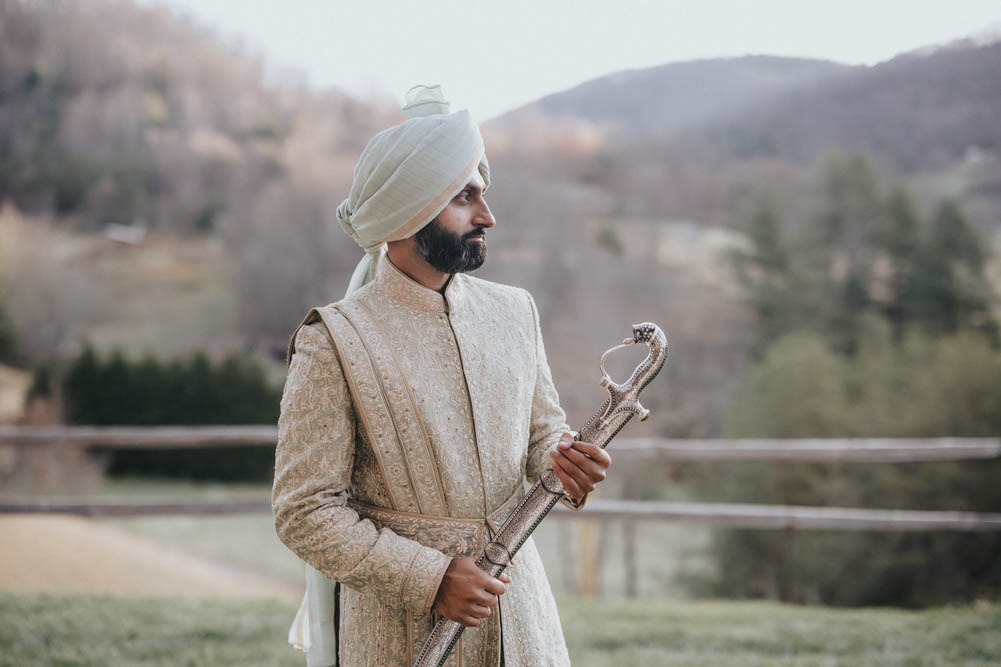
<point>408,173</point>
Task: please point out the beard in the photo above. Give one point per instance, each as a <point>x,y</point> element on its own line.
<point>449,252</point>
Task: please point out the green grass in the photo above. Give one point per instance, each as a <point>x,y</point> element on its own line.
<point>50,631</point>
<point>47,630</point>
<point>704,633</point>
<point>96,630</point>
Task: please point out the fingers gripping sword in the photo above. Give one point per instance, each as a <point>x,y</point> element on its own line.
<point>620,406</point>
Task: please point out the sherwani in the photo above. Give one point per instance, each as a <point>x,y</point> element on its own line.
<point>473,361</point>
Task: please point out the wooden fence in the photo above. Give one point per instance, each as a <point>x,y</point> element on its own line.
<point>598,511</point>
<point>625,450</point>
<point>858,450</point>
<point>782,517</point>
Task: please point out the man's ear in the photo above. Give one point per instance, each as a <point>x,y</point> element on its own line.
<point>405,245</point>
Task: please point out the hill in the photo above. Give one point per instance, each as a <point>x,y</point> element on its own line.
<point>116,113</point>
<point>112,112</point>
<point>635,184</point>
<point>918,111</point>
<point>670,99</point>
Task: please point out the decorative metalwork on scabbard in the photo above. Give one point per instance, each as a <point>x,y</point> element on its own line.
<point>619,408</point>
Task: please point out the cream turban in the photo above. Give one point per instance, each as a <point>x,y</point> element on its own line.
<point>407,174</point>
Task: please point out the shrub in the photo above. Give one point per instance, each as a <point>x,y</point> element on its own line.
<point>195,390</point>
<point>921,388</point>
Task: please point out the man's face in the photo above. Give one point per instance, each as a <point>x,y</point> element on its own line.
<point>455,241</point>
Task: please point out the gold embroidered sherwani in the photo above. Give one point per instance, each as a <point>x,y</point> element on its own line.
<point>474,365</point>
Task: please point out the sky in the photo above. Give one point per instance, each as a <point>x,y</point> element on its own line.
<point>491,57</point>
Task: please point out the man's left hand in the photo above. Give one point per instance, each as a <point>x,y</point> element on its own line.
<point>579,465</point>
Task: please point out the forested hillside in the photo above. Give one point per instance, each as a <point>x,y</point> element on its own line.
<point>819,241</point>
<point>112,113</point>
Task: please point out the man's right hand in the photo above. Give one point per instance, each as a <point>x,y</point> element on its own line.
<point>466,593</point>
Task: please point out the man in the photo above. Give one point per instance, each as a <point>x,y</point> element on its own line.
<point>414,412</point>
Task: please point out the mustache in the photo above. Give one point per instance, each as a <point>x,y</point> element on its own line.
<point>474,234</point>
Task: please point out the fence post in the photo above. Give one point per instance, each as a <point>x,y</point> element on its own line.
<point>589,558</point>
<point>629,556</point>
<point>565,533</point>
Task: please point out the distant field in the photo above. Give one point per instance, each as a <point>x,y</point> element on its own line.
<point>666,553</point>
<point>42,630</point>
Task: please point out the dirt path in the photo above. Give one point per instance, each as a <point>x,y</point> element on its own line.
<point>56,553</point>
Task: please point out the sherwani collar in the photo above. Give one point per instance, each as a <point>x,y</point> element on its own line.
<point>411,294</point>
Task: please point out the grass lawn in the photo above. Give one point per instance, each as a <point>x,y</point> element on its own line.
<point>47,630</point>
<point>749,634</point>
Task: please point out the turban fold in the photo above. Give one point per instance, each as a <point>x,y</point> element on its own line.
<point>408,173</point>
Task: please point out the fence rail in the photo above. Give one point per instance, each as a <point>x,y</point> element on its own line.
<point>785,517</point>
<point>140,437</point>
<point>588,524</point>
<point>782,517</point>
<point>868,450</point>
<point>144,508</point>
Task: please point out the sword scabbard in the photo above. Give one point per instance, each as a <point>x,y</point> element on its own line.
<point>620,406</point>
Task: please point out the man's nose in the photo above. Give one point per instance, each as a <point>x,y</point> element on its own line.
<point>484,218</point>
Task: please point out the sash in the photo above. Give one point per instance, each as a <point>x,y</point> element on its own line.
<point>462,537</point>
<point>388,419</point>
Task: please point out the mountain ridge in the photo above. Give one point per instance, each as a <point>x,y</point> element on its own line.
<point>919,110</point>
<point>639,94</point>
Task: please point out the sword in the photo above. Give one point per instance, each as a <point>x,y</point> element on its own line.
<point>620,406</point>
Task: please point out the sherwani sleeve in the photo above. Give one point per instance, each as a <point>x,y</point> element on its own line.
<point>313,463</point>
<point>548,420</point>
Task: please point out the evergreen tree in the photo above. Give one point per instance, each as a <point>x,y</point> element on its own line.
<point>122,399</point>
<point>8,339</point>
<point>840,247</point>
<point>851,210</point>
<point>954,292</point>
<point>765,270</point>
<point>192,391</point>
<point>900,240</point>
<point>82,389</point>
